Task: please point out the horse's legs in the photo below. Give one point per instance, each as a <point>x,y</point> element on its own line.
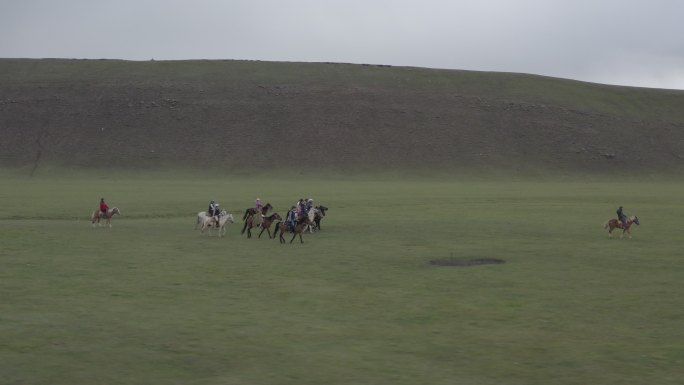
<point>293,237</point>
<point>262,231</point>
<point>301,240</point>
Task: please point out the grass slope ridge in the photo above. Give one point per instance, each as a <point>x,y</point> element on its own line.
<point>235,114</point>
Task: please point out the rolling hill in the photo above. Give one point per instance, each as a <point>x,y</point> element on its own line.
<point>233,115</point>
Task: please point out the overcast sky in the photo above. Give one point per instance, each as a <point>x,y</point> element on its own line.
<point>627,42</point>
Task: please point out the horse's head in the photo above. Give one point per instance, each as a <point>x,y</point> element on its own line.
<point>322,209</point>
<point>276,217</point>
<point>265,209</point>
<point>636,220</point>
<point>229,218</point>
<point>116,210</point>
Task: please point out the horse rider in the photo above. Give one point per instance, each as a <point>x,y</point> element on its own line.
<point>621,216</point>
<point>291,218</point>
<point>309,204</point>
<point>103,207</point>
<point>258,206</point>
<point>301,208</point>
<point>214,210</point>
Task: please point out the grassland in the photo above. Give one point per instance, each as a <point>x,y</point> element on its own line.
<point>151,301</point>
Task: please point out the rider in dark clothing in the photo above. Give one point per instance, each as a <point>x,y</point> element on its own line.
<point>621,216</point>
<point>301,207</point>
<point>291,218</point>
<point>214,210</point>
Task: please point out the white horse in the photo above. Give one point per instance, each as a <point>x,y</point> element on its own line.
<point>203,215</point>
<point>311,227</point>
<point>224,219</point>
<point>97,215</point>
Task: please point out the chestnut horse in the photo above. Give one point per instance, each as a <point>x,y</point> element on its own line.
<point>266,224</point>
<point>97,215</point>
<point>616,224</point>
<point>300,226</point>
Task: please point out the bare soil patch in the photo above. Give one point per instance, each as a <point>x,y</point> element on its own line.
<point>466,262</point>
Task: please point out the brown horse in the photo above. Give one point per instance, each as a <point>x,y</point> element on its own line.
<point>97,215</point>
<point>302,224</point>
<point>318,215</point>
<point>616,224</point>
<point>252,211</point>
<point>254,219</point>
<point>266,224</point>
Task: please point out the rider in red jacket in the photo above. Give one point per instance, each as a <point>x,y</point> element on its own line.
<point>103,206</point>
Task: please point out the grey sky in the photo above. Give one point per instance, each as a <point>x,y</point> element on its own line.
<point>628,42</point>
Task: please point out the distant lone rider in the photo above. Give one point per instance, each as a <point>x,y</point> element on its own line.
<point>103,207</point>
<point>621,216</point>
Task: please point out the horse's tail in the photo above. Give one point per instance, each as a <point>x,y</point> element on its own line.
<point>605,225</point>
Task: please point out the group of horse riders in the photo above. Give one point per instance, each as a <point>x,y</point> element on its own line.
<point>301,209</point>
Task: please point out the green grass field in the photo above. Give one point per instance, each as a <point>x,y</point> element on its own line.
<point>152,301</point>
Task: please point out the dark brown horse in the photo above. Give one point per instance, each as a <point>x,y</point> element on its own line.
<point>254,219</point>
<point>266,224</point>
<point>300,226</point>
<point>616,224</point>
<point>252,211</point>
<point>319,214</point>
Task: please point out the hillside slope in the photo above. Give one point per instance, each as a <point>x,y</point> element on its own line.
<point>241,114</point>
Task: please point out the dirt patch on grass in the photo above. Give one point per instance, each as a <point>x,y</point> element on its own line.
<point>466,262</point>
